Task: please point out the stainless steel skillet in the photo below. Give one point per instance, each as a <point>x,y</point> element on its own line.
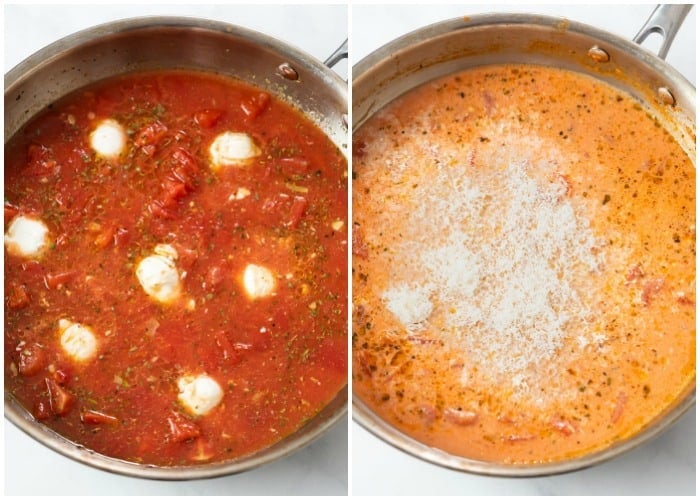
<point>457,44</point>
<point>183,43</point>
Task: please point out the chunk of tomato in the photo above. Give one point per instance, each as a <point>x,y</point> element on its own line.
<point>40,161</point>
<point>94,417</point>
<point>32,360</point>
<point>10,212</point>
<point>150,135</point>
<point>207,118</point>
<point>255,105</point>
<point>182,429</point>
<point>16,296</point>
<point>54,280</point>
<point>297,210</point>
<point>60,400</point>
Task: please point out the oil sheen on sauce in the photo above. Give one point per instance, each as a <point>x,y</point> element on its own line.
<point>523,265</point>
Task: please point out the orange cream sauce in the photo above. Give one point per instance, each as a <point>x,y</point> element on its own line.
<point>524,265</point>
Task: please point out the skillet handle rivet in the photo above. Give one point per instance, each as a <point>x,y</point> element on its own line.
<point>666,96</point>
<point>286,71</point>
<point>598,54</point>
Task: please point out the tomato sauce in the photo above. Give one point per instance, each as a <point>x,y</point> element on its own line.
<point>277,359</point>
<point>523,265</point>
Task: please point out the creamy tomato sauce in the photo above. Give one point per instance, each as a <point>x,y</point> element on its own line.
<point>523,265</point>
<point>175,268</point>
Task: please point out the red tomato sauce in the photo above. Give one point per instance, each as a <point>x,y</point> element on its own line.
<point>278,359</point>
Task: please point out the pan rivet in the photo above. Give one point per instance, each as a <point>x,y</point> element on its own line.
<point>598,54</point>
<point>666,96</point>
<point>286,71</point>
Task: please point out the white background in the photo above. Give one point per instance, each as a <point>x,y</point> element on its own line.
<point>319,469</point>
<point>665,466</point>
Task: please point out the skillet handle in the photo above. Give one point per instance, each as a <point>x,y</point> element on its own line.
<point>664,20</point>
<point>339,53</point>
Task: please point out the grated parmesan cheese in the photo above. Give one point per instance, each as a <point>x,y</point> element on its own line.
<point>412,306</point>
<point>498,261</point>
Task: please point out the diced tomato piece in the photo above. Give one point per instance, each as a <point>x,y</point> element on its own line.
<point>619,408</point>
<point>105,237</point>
<point>41,410</point>
<point>488,101</point>
<point>121,237</point>
<point>294,166</point>
<point>158,209</point>
<point>563,180</point>
<point>186,167</point>
<point>31,266</point>
<point>40,162</point>
<point>563,426</point>
<point>651,289</point>
<point>427,412</point>
<point>507,418</point>
<point>150,134</point>
<point>254,106</point>
<point>516,438</point>
<point>297,210</point>
<point>182,429</point>
<point>174,190</point>
<point>93,417</point>
<point>54,280</point>
<point>100,234</point>
<point>176,185</point>
<point>16,296</point>
<point>61,376</point>
<point>685,299</point>
<point>32,360</point>
<point>358,243</point>
<point>61,400</point>
<point>634,273</point>
<point>293,207</point>
<point>207,118</point>
<point>10,212</point>
<point>460,417</point>
<point>359,148</point>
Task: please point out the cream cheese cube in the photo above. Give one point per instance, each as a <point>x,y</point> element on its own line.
<point>199,394</point>
<point>159,276</point>
<point>77,340</point>
<point>258,281</point>
<point>26,237</point>
<point>232,149</point>
<point>108,139</point>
